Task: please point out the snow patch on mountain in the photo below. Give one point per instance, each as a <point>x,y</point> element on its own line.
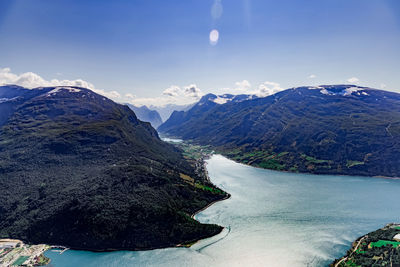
<point>221,100</point>
<point>351,90</point>
<point>4,100</point>
<point>63,88</point>
<point>325,92</point>
<point>315,87</point>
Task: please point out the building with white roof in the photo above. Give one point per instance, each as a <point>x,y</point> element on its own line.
<point>397,237</point>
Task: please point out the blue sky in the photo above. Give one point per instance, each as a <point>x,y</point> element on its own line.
<point>143,47</point>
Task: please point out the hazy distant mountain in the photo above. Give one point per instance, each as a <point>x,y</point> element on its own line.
<point>80,170</point>
<point>166,110</point>
<point>206,103</point>
<point>341,129</point>
<point>145,114</point>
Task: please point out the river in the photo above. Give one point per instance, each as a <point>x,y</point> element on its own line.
<point>272,219</point>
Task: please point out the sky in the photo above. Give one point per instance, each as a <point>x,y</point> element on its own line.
<point>158,52</point>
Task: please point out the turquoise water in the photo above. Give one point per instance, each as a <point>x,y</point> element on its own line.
<point>272,219</point>
<point>171,140</point>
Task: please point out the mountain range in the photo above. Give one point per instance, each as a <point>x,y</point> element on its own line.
<point>165,111</point>
<point>206,103</point>
<point>143,113</point>
<point>330,129</point>
<point>79,170</point>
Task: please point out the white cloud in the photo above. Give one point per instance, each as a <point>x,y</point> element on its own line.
<point>354,80</point>
<point>114,95</point>
<point>130,96</point>
<point>172,91</point>
<point>32,80</point>
<point>312,76</point>
<point>192,91</point>
<point>382,86</point>
<point>268,88</point>
<point>241,87</point>
<point>244,87</point>
<point>172,95</point>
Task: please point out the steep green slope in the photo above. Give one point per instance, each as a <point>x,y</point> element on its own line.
<point>339,129</point>
<point>79,170</point>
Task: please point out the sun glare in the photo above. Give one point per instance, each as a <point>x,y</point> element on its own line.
<point>214,36</point>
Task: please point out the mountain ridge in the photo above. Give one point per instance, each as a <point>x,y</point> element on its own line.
<point>337,129</point>
<point>206,103</point>
<point>79,170</point>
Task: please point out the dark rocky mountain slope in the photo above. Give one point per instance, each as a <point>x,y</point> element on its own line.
<point>80,170</point>
<point>338,129</point>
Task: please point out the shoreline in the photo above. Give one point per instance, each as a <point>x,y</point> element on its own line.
<point>208,156</point>
<point>312,173</point>
<point>209,205</point>
<point>174,246</point>
<point>286,171</point>
<point>190,243</point>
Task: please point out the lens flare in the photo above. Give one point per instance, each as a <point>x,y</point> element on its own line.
<point>214,36</point>
<point>216,9</point>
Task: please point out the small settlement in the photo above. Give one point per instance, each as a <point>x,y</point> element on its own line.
<point>378,248</point>
<point>14,252</point>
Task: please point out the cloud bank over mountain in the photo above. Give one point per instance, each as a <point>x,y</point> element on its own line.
<point>262,90</point>
<point>32,80</point>
<point>174,94</point>
<point>178,95</point>
<point>192,93</point>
